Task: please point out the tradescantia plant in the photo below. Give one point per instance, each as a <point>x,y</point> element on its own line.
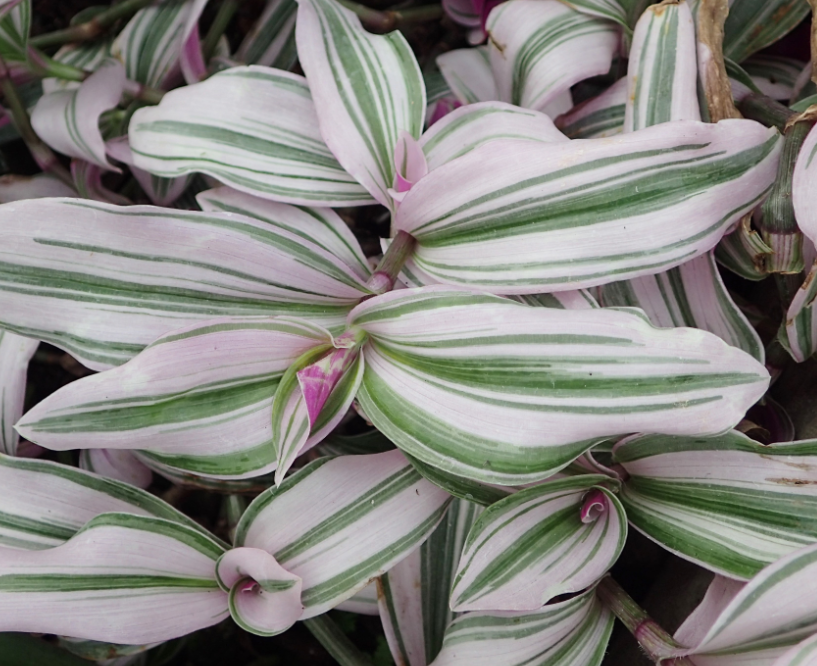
<point>555,353</point>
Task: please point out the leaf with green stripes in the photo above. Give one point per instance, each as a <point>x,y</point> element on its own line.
<point>15,26</point>
<point>271,41</point>
<point>362,602</point>
<point>468,73</point>
<point>119,464</point>
<point>775,76</point>
<point>623,12</point>
<point>68,120</point>
<point>744,252</point>
<point>15,353</point>
<point>597,117</point>
<point>160,191</point>
<point>515,217</point>
<point>804,194</point>
<point>413,596</point>
<point>102,281</point>
<point>373,511</point>
<point>755,24</point>
<point>253,128</point>
<point>45,504</point>
<point>555,538</point>
<point>802,654</point>
<point>84,55</point>
<point>727,503</point>
<point>150,45</point>
<point>801,319</point>
<point>448,370</point>
<point>367,89</point>
<point>539,48</point>
<point>572,632</point>
<point>122,578</point>
<point>198,399</point>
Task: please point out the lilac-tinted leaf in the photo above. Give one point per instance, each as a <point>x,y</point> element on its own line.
<point>801,319</point>
<point>271,41</point>
<point>599,116</point>
<point>118,464</point>
<point>804,194</point>
<point>775,76</point>
<point>16,188</point>
<point>15,353</point>
<point>468,73</point>
<point>88,181</point>
<point>161,191</point>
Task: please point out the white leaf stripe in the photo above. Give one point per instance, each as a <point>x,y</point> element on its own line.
<point>44,503</point>
<point>114,283</point>
<point>727,503</point>
<point>468,73</point>
<point>271,41</point>
<point>15,353</point>
<point>211,417</point>
<point>532,546</point>
<point>272,148</point>
<point>523,223</point>
<point>447,370</point>
<point>334,546</point>
<point>572,632</point>
<point>367,89</point>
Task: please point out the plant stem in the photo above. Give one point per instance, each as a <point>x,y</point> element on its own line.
<point>90,29</point>
<point>336,642</point>
<point>225,14</point>
<point>390,19</point>
<point>391,264</point>
<point>765,110</point>
<point>654,640</point>
<point>42,154</point>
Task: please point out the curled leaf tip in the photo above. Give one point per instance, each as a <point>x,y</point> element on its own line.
<point>594,506</point>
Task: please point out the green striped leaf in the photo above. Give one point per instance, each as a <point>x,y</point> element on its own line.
<point>371,441</point>
<point>271,41</point>
<point>68,120</point>
<point>15,26</point>
<point>253,128</point>
<point>517,217</point>
<point>663,68</point>
<point>45,504</point>
<point>468,73</point>
<point>448,370</point>
<point>554,538</point>
<point>367,89</point>
<point>102,282</point>
<point>804,196</point>
<point>209,417</point>
<point>623,12</point>
<point>151,43</point>
<point>484,494</point>
<point>84,55</point>
<point>801,319</point>
<point>691,295</point>
<point>362,602</point>
<point>775,76</point>
<point>413,596</point>
<point>160,191</point>
<point>119,464</point>
<point>539,48</point>
<point>123,578</point>
<point>802,654</point>
<point>15,353</point>
<point>572,632</point>
<point>744,252</point>
<point>579,299</point>
<point>598,117</point>
<point>754,24</point>
<point>727,503</point>
<point>373,511</point>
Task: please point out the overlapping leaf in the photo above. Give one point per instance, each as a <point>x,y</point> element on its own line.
<point>15,353</point>
<point>522,217</point>
<point>775,76</point>
<point>624,12</point>
<point>198,399</point>
<point>468,73</point>
<point>447,371</point>
<point>15,25</point>
<point>254,128</point>
<point>744,251</point>
<point>754,24</point>
<point>804,194</point>
<point>161,191</point>
<point>119,464</point>
<point>801,327</point>
<point>271,41</point>
<point>597,117</point>
<point>102,282</point>
<point>727,503</point>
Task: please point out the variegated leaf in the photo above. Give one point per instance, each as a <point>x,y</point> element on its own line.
<point>363,602</point>
<point>160,191</point>
<point>198,399</point>
<point>691,295</point>
<point>15,353</point>
<point>580,299</point>
<point>804,194</point>
<point>572,632</point>
<point>151,43</point>
<point>45,504</point>
<point>68,120</point>
<point>802,654</point>
<point>598,117</point>
<point>468,73</point>
<point>744,251</point>
<point>775,76</point>
<point>102,281</point>
<point>321,226</point>
<point>518,217</point>
<point>623,12</point>
<point>484,494</point>
<point>414,593</point>
<point>727,503</point>
<point>253,128</point>
<point>271,41</point>
<point>119,464</point>
<point>15,25</point>
<point>83,55</point>
<point>16,188</point>
<point>801,319</point>
<point>367,89</point>
<point>373,511</point>
<point>123,578</point>
<point>87,179</point>
<point>448,370</point>
<point>754,24</point>
<point>539,48</point>
<point>554,538</point>
<point>663,69</point>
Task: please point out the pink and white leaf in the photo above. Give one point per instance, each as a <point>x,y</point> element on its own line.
<point>344,64</point>
<point>362,602</point>
<point>387,510</point>
<point>17,188</point>
<point>118,464</point>
<point>468,73</point>
<point>88,181</point>
<point>15,353</point>
<point>801,318</point>
<point>597,117</point>
<point>271,41</point>
<point>804,194</point>
<point>160,191</point>
<point>802,654</point>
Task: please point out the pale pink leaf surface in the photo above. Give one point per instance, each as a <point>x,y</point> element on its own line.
<point>264,597</point>
<point>387,510</point>
<point>344,65</point>
<point>161,191</point>
<point>88,181</point>
<point>468,73</point>
<point>719,595</point>
<point>118,464</point>
<point>409,165</point>
<point>123,578</point>
<point>804,192</point>
<point>403,621</point>
<point>532,60</point>
<point>597,117</point>
<point>16,188</point>
<point>802,654</point>
<point>68,120</point>
<point>199,398</point>
<point>801,318</point>
<point>15,353</point>
<point>363,602</point>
